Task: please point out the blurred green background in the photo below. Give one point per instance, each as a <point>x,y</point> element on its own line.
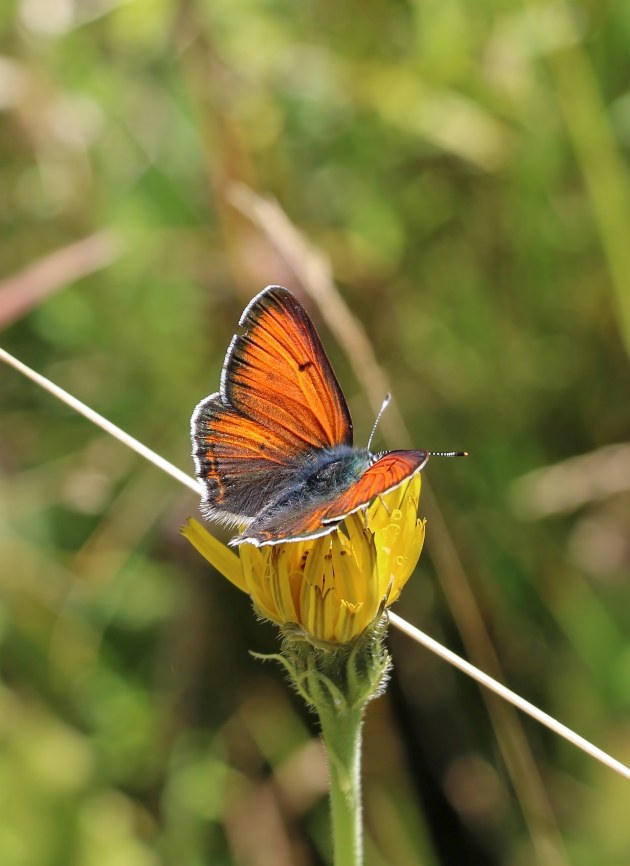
<point>460,170</point>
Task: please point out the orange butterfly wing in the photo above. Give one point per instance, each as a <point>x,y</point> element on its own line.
<point>240,463</point>
<point>390,470</point>
<point>277,373</point>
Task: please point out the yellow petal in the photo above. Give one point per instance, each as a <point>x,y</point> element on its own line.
<point>217,554</point>
<point>347,622</point>
<point>257,573</point>
<point>283,576</point>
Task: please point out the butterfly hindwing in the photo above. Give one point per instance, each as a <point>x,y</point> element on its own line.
<point>296,527</point>
<point>240,463</point>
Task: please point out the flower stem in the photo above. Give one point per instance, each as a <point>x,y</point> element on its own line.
<point>341,733</point>
<point>337,681</point>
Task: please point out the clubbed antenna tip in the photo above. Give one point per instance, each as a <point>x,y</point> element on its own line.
<point>448,453</point>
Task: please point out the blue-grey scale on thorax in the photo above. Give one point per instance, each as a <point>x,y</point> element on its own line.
<point>320,476</point>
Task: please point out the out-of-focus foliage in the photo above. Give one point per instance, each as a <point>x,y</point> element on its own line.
<point>463,166</point>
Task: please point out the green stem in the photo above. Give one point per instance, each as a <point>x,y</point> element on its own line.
<point>341,733</point>
<point>338,681</point>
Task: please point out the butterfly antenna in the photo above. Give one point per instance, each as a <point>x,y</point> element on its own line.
<point>384,406</point>
<point>448,453</point>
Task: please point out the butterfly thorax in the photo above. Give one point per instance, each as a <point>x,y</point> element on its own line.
<point>319,478</point>
<point>329,471</point>
<point>335,469</point>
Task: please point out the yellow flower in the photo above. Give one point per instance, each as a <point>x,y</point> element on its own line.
<point>331,588</point>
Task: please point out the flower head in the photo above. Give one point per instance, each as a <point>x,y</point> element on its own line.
<point>330,588</point>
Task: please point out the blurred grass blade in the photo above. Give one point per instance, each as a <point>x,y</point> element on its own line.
<point>605,174</point>
<point>570,484</point>
<point>23,291</point>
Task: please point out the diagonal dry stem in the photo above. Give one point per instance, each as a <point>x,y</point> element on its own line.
<point>101,422</point>
<point>22,291</point>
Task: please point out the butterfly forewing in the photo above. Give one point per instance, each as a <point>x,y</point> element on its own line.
<point>386,473</point>
<point>278,374</point>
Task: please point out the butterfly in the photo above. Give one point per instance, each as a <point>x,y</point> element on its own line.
<point>273,447</point>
